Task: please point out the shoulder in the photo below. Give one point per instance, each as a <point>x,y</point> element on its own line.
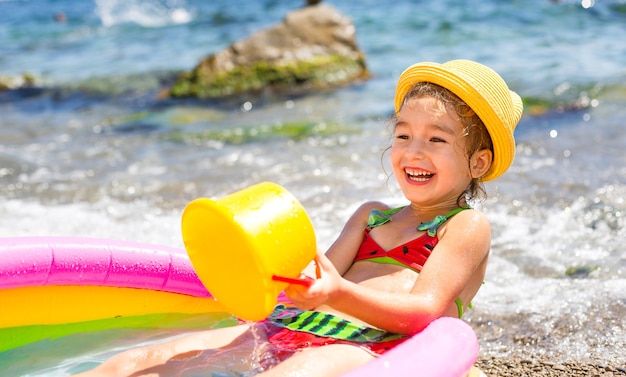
<point>470,222</point>
<point>367,207</point>
<point>466,235</point>
<point>346,246</point>
<point>360,215</point>
<point>471,215</point>
<point>363,211</point>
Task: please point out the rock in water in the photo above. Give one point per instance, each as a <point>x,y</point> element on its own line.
<point>313,48</point>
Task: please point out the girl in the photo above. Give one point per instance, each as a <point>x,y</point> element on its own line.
<point>392,271</point>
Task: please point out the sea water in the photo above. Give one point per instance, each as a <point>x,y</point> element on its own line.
<point>92,151</point>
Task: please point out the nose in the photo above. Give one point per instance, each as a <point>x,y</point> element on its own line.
<point>416,148</point>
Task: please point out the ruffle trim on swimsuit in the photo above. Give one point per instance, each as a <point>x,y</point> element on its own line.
<point>378,217</point>
<point>432,225</point>
<point>328,325</point>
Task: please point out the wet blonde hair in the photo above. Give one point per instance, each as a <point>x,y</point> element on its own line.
<point>473,129</point>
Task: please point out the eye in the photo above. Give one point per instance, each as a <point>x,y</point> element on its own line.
<point>401,133</point>
<point>437,140</point>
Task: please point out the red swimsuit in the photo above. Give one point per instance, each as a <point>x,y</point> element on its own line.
<point>412,254</point>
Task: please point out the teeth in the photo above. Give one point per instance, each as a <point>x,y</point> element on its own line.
<point>418,175</point>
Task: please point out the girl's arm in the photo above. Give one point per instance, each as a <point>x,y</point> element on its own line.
<point>452,266</point>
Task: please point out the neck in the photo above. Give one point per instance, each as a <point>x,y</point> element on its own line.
<point>442,208</point>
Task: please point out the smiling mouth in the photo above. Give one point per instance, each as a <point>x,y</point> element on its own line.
<point>418,175</point>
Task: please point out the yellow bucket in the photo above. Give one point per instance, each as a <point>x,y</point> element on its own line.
<point>238,243</point>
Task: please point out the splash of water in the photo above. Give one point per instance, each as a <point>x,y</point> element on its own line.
<point>146,13</point>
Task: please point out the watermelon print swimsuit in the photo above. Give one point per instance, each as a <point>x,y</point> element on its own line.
<point>291,329</point>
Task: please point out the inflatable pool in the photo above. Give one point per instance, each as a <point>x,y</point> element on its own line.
<point>48,283</point>
<point>55,286</point>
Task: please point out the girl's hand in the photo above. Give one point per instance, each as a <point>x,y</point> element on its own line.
<point>323,288</point>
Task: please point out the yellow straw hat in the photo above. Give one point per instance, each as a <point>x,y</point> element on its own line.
<point>482,89</point>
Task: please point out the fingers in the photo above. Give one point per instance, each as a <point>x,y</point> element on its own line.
<point>318,269</point>
<point>308,297</point>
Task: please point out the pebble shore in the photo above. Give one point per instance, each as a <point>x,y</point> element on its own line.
<point>517,366</point>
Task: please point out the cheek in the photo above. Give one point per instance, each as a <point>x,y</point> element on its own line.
<point>395,156</point>
<point>460,157</point>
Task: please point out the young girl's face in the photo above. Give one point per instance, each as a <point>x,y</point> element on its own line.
<point>428,154</point>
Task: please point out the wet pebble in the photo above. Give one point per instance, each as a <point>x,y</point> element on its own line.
<point>514,366</point>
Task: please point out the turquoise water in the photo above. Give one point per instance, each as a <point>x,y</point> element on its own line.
<point>93,152</point>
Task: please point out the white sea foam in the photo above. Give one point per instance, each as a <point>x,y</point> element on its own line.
<point>145,13</point>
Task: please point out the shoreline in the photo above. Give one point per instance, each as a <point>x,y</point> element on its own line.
<point>505,366</point>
